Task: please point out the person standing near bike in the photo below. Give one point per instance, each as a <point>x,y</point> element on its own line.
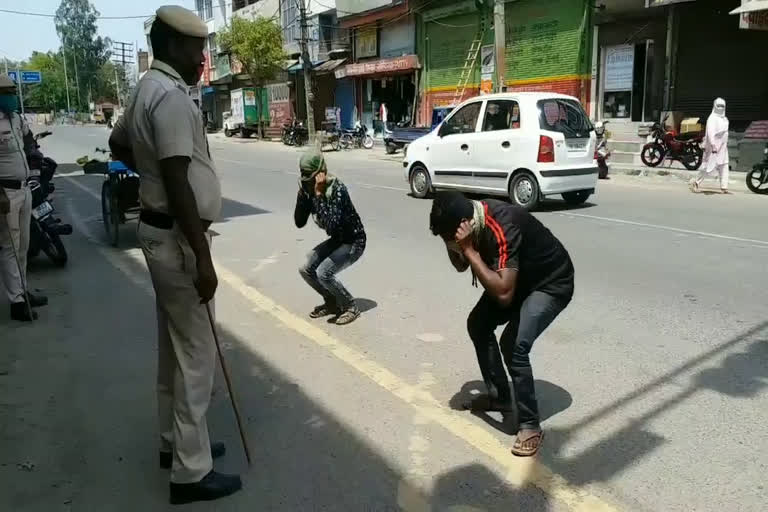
<point>15,204</point>
<point>716,157</point>
<point>162,136</point>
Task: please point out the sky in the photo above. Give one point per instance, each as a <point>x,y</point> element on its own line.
<point>21,35</point>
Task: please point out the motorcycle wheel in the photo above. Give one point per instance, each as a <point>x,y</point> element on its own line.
<point>54,249</point>
<point>368,142</point>
<point>110,214</point>
<point>693,159</point>
<point>653,154</point>
<point>336,144</point>
<point>227,132</point>
<point>757,178</point>
<point>345,141</point>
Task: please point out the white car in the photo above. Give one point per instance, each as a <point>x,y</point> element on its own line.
<point>524,146</point>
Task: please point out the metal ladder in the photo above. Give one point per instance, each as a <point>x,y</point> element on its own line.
<point>469,67</point>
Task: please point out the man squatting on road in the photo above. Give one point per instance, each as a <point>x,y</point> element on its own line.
<point>528,279</point>
<point>161,135</point>
<point>326,198</point>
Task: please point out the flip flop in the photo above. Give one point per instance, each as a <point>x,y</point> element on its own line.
<point>484,403</point>
<point>518,450</point>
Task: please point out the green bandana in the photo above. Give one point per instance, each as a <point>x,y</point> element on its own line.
<point>310,164</point>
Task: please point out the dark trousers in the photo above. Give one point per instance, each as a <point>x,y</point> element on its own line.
<point>323,263</point>
<point>525,322</point>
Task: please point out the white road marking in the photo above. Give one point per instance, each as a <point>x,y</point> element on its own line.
<point>702,234</point>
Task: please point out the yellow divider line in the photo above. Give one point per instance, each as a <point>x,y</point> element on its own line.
<point>520,472</point>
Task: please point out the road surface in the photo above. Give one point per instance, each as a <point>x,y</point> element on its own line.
<point>652,383</point>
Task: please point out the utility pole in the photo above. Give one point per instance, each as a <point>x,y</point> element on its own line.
<point>66,79</point>
<point>500,43</point>
<point>308,94</point>
<point>122,55</point>
<point>21,89</point>
<point>117,86</point>
<point>77,82</point>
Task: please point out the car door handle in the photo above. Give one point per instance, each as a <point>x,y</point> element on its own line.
<point>464,147</point>
<point>505,144</point>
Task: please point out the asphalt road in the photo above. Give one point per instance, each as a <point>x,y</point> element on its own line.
<point>652,383</point>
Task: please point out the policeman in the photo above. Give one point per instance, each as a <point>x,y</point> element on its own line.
<point>162,136</point>
<point>15,204</point>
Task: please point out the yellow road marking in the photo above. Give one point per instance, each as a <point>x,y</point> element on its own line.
<point>520,472</point>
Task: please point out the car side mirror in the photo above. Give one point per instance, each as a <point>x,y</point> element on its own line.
<point>445,129</point>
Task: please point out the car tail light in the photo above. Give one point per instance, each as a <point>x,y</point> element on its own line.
<point>546,150</point>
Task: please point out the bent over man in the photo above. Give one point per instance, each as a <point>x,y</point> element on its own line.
<point>528,279</point>
<point>162,136</point>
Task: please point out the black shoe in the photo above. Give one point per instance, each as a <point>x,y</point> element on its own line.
<point>20,312</point>
<point>38,301</point>
<point>325,310</point>
<point>217,450</point>
<point>212,487</point>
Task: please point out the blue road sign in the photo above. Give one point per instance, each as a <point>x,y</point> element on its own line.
<point>12,75</point>
<point>31,77</point>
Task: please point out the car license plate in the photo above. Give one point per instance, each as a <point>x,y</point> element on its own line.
<point>42,210</point>
<point>577,146</point>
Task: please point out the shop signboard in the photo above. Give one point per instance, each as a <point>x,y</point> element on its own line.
<point>487,62</point>
<point>755,20</point>
<point>366,43</point>
<point>379,67</point>
<point>619,68</point>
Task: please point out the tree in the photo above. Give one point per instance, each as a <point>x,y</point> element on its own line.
<point>76,26</point>
<point>258,45</point>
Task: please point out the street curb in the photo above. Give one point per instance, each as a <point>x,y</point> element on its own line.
<point>737,179</point>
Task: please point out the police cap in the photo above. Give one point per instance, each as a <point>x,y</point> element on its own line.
<point>182,20</point>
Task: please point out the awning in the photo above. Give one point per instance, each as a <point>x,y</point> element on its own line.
<point>300,66</point>
<point>289,64</point>
<point>751,6</point>
<point>329,66</point>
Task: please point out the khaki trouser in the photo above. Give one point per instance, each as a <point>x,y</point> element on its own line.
<point>18,221</point>
<point>186,353</point>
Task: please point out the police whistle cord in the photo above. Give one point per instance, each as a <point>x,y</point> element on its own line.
<point>21,273</point>
<point>227,379</point>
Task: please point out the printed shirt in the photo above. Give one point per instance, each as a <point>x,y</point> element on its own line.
<point>334,213</point>
<point>515,239</point>
<point>13,160</point>
<point>161,121</point>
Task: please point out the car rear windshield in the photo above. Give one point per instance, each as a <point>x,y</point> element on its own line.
<point>564,116</point>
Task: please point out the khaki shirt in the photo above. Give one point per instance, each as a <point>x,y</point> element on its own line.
<point>162,121</point>
<point>13,160</point>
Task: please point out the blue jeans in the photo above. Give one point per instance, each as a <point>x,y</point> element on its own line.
<point>323,263</point>
<point>525,322</point>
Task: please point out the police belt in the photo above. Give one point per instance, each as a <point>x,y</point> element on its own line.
<point>12,184</point>
<point>161,220</point>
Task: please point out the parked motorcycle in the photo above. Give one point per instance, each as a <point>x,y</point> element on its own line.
<point>757,178</point>
<point>669,145</point>
<point>45,229</point>
<point>358,137</point>
<point>294,134</point>
<point>601,151</point>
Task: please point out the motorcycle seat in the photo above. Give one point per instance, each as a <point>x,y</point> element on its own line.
<point>684,137</point>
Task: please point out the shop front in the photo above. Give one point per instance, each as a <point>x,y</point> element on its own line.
<point>385,90</point>
<point>631,66</point>
<point>723,55</point>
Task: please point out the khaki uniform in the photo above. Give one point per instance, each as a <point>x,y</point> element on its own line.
<point>14,168</point>
<point>162,121</point>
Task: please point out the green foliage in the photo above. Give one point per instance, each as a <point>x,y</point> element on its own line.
<point>75,23</point>
<point>257,44</point>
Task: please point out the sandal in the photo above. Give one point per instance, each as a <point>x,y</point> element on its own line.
<point>693,185</point>
<point>533,439</point>
<point>348,316</point>
<point>324,310</point>
<point>484,403</point>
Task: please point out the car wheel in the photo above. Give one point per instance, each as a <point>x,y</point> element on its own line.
<point>577,197</point>
<point>391,148</point>
<point>227,132</point>
<point>524,190</point>
<point>244,134</point>
<point>421,184</point>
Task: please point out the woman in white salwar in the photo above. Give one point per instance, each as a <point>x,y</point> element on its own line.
<point>716,156</point>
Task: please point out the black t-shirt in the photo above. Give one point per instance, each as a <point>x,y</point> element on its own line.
<point>513,238</point>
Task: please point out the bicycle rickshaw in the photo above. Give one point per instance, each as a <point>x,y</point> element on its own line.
<point>119,194</point>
